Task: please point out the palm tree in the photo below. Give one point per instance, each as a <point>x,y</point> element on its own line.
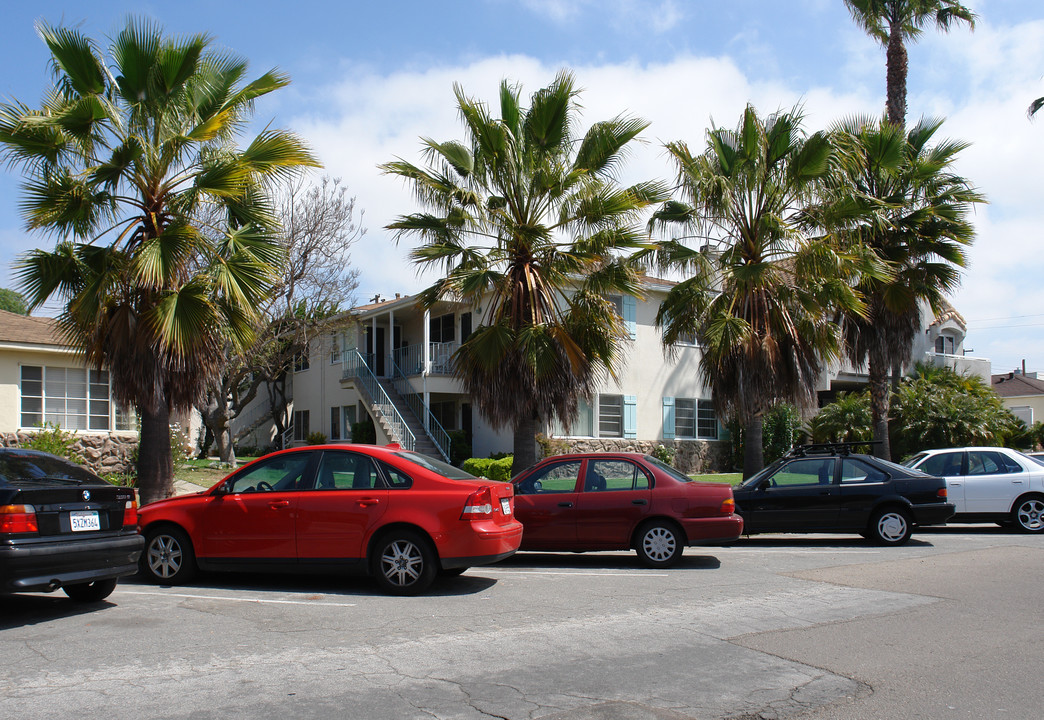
<point>847,419</point>
<point>120,162</point>
<point>912,214</point>
<point>759,290</point>
<point>1035,106</point>
<point>527,218</point>
<point>893,23</point>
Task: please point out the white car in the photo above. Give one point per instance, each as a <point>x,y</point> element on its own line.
<point>989,484</point>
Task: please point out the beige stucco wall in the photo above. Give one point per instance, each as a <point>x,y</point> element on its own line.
<point>1035,403</point>
<point>12,357</point>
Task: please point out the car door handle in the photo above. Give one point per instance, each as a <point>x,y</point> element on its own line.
<point>277,504</point>
<point>1016,482</point>
<point>639,502</point>
<point>954,484</point>
<point>565,504</point>
<point>365,502</point>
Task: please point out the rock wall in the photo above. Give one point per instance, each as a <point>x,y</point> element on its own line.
<point>690,456</point>
<point>103,454</point>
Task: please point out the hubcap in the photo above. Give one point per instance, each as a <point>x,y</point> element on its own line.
<point>164,556</point>
<point>892,526</point>
<point>402,563</point>
<point>659,543</point>
<point>1031,514</point>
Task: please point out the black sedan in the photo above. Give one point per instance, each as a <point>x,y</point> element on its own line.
<point>828,488</point>
<point>61,526</point>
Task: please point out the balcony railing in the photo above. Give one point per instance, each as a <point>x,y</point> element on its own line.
<point>410,359</point>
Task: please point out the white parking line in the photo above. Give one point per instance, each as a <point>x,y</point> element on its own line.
<point>565,572</point>
<point>259,601</point>
<point>820,551</point>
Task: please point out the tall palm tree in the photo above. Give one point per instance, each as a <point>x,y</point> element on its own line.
<point>893,23</point>
<point>119,162</point>
<point>526,217</point>
<point>914,217</point>
<point>760,290</point>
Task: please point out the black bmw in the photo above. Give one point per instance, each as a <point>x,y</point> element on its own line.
<point>828,488</point>
<point>61,526</point>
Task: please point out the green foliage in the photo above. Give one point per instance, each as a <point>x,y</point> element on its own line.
<point>493,469</point>
<point>13,302</point>
<point>779,431</point>
<point>52,439</point>
<point>939,408</point>
<point>460,448</point>
<point>364,432</point>
<point>178,451</point>
<point>847,419</point>
<point>316,438</point>
<point>125,479</point>
<point>664,454</point>
<point>550,446</point>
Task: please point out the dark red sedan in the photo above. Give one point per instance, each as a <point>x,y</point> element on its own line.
<point>399,516</point>
<point>617,501</point>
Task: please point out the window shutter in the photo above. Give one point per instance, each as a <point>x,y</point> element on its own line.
<point>630,315</point>
<point>630,418</point>
<point>668,418</point>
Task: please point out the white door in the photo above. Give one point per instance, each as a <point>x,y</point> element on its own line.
<point>993,482</point>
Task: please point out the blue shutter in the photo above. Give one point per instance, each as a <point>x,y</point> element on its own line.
<point>668,418</point>
<point>630,416</point>
<point>630,315</point>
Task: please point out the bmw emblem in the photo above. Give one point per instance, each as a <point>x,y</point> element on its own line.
<point>86,495</point>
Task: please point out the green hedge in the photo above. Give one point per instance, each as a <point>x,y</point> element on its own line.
<point>489,468</point>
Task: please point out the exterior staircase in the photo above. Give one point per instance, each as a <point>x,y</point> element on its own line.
<point>422,442</point>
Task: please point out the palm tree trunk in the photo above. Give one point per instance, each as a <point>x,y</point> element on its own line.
<point>753,450</point>
<point>525,445</point>
<point>879,403</point>
<point>155,462</point>
<point>898,66</point>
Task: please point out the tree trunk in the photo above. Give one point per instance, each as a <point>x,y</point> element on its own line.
<point>525,445</point>
<point>753,452</point>
<point>879,403</point>
<point>218,420</point>
<point>155,462</point>
<point>897,68</point>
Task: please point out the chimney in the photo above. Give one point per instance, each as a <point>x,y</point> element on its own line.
<point>376,298</point>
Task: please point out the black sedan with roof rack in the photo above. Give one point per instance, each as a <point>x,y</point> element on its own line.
<point>62,526</point>
<point>829,488</point>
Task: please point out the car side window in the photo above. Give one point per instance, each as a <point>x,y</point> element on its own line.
<point>806,471</point>
<point>278,473</point>
<point>346,471</point>
<point>396,477</point>
<point>984,462</point>
<point>943,464</point>
<point>854,470</point>
<point>614,475</point>
<point>556,478</point>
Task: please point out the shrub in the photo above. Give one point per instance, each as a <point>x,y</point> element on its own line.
<point>478,467</point>
<point>364,432</point>
<point>779,431</point>
<point>52,439</point>
<point>491,468</point>
<point>125,479</point>
<point>460,448</point>
<point>847,419</point>
<point>316,438</point>
<point>550,446</point>
<point>664,454</point>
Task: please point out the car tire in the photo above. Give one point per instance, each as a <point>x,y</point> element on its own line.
<point>1028,514</point>
<point>90,592</point>
<point>404,563</point>
<point>659,544</point>
<point>890,526</point>
<point>168,557</point>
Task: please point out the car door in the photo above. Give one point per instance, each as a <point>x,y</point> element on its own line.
<point>614,497</point>
<point>992,482</point>
<point>335,517</point>
<point>950,466</point>
<point>862,485</point>
<point>253,518</point>
<point>801,495</point>
<point>545,504</point>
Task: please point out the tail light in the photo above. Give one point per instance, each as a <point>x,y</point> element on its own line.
<point>130,514</point>
<point>18,519</point>
<point>941,492</point>
<point>479,505</point>
<point>728,506</point>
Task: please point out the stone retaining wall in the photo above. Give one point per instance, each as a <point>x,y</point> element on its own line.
<point>103,454</point>
<point>690,456</point>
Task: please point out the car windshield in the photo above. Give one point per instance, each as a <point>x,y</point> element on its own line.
<point>904,469</point>
<point>436,466</point>
<point>17,467</point>
<point>667,469</point>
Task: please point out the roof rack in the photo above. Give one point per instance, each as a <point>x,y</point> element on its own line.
<point>838,448</point>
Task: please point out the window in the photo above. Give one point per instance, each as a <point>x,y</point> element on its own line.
<point>346,471</point>
<point>610,416</point>
<point>857,471</point>
<point>281,472</point>
<point>335,423</point>
<point>335,349</point>
<point>991,463</point>
<point>581,426</point>
<point>301,361</point>
<point>614,475</point>
<point>557,478</point>
<point>944,345</point>
<point>349,413</point>
<point>445,413</point>
<point>693,418</point>
<point>465,326</point>
<point>441,329</point>
<point>301,430</point>
<point>74,398</point>
<point>807,471</point>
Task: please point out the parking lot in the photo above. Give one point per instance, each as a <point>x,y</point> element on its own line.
<point>782,626</point>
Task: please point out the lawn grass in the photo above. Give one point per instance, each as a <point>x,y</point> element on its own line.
<point>730,478</point>
<point>205,471</point>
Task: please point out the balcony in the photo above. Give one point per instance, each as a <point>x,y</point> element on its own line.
<point>962,364</point>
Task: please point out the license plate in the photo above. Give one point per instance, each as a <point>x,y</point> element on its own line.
<point>81,520</point>
<point>505,505</point>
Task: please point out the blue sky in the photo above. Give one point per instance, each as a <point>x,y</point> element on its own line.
<point>370,78</point>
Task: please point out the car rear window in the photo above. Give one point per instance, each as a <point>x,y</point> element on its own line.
<point>435,466</point>
<point>21,467</point>
<point>667,469</point>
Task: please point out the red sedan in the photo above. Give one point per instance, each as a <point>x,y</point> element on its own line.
<point>617,501</point>
<point>399,516</point>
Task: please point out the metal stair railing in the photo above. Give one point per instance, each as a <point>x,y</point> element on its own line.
<point>421,411</point>
<point>382,404</point>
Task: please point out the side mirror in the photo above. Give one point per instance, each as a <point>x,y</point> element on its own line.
<point>764,484</point>
<point>220,490</point>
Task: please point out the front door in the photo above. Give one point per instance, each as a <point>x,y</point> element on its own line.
<point>800,495</point>
<point>545,504</point>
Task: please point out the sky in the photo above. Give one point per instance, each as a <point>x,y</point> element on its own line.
<point>370,79</point>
